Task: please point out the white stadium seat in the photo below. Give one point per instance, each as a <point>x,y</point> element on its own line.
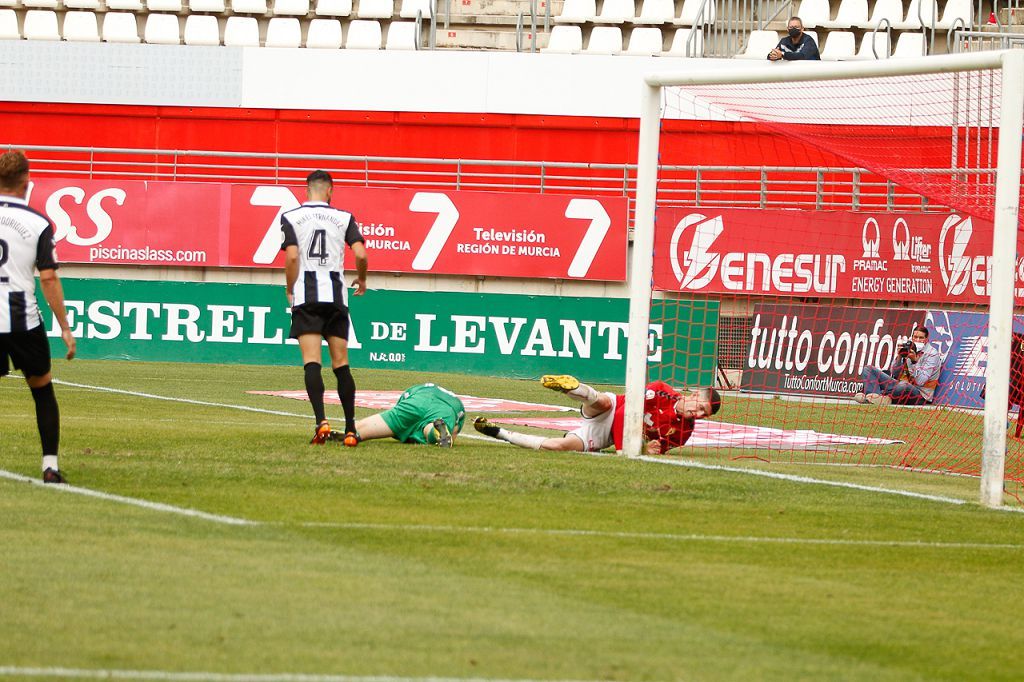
<point>282,32</point>
<point>565,40</point>
<point>242,32</point>
<point>41,24</point>
<point>851,13</point>
<point>605,40</point>
<point>956,9</point>
<point>10,3</point>
<point>656,12</point>
<point>163,5</point>
<point>401,36</point>
<point>645,41</point>
<point>885,9</point>
<point>202,29</point>
<point>120,27</point>
<point>162,29</point>
<point>577,12</point>
<point>363,34</point>
<point>81,26</point>
<point>324,34</point>
<point>615,12</point>
<point>205,6</point>
<point>375,9</point>
<point>248,7</point>
<point>333,8</point>
<point>125,5</point>
<point>911,23</point>
<point>291,8</point>
<point>682,46</point>
<point>9,25</point>
<point>814,13</point>
<point>839,45</point>
<point>81,4</point>
<point>410,7</point>
<point>760,44</point>
<point>910,45</point>
<point>40,4</point>
<point>881,49</point>
<point>690,10</point>
<point>922,13</point>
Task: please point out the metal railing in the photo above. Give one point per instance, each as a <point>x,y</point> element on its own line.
<point>979,41</point>
<point>733,20</point>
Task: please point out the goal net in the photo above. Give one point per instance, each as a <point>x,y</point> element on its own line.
<point>888,204</point>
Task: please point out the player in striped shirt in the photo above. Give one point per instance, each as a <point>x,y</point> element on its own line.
<point>26,245</point>
<point>314,239</point>
<point>669,417</point>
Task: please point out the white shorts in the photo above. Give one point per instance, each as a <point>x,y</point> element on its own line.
<point>596,432</point>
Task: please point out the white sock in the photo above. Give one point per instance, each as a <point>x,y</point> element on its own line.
<point>523,440</point>
<point>50,462</point>
<point>585,393</point>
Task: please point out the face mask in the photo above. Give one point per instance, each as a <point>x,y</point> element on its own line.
<point>794,32</point>
<point>920,345</point>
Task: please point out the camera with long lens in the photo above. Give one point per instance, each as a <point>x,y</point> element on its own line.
<point>906,348</point>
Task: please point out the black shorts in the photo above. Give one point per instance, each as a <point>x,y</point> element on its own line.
<point>28,351</point>
<point>325,319</point>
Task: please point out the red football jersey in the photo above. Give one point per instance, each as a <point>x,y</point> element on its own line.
<point>661,421</point>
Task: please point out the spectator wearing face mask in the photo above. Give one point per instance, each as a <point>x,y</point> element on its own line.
<point>911,379</point>
<point>797,45</point>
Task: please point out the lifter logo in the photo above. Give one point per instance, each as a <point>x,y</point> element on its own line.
<point>697,267</point>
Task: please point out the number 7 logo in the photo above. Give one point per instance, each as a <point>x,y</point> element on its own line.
<point>600,222</point>
<point>444,224</point>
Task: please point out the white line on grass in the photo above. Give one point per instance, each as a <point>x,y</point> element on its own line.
<point>168,676</point>
<point>135,502</point>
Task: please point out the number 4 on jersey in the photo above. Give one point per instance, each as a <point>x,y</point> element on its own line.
<point>318,246</point>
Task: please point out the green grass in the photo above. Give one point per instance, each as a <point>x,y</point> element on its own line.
<point>411,561</point>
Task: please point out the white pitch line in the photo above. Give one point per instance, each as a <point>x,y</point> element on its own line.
<point>169,676</point>
<point>135,502</point>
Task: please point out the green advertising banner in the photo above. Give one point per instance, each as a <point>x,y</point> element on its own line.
<point>488,334</point>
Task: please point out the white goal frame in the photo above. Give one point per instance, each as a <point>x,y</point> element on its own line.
<point>1004,243</point>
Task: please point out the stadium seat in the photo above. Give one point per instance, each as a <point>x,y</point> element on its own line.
<point>577,12</point>
<point>9,25</point>
<point>363,34</point>
<point>202,29</point>
<point>920,14</point>
<point>204,6</point>
<point>564,40</point>
<point>956,9</point>
<point>162,29</point>
<point>882,47</point>
<point>851,13</point>
<point>760,44</point>
<point>911,23</point>
<point>41,24</point>
<point>681,45</point>
<point>247,7</point>
<point>125,5</point>
<point>645,41</point>
<point>604,40</point>
<point>120,27</point>
<point>284,32</point>
<point>656,12</point>
<point>885,9</point>
<point>375,9</point>
<point>163,5</point>
<point>815,12</point>
<point>615,12</point>
<point>242,32</point>
<point>291,8</point>
<point>690,10</point>
<point>81,26</point>
<point>324,34</point>
<point>411,7</point>
<point>40,4</point>
<point>80,4</point>
<point>910,45</point>
<point>839,45</point>
<point>333,8</point>
<point>401,36</point>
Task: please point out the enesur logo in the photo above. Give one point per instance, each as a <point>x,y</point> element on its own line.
<point>954,263</point>
<point>697,266</point>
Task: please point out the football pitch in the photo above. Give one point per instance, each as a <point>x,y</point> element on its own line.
<point>201,540</point>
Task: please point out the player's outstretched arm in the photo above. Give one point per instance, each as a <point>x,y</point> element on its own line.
<point>53,292</point>
<point>362,261</point>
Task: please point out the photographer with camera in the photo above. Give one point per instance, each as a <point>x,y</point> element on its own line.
<point>911,379</point>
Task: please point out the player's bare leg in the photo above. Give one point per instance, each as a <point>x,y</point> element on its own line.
<point>567,443</point>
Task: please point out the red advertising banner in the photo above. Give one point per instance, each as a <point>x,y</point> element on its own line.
<point>451,233</point>
<point>872,256</point>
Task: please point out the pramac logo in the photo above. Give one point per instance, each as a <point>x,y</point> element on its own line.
<point>870,238</point>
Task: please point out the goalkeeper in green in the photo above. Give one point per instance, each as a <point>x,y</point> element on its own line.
<point>425,414</point>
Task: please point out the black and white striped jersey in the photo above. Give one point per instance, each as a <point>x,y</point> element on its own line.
<point>320,232</point>
<point>26,243</point>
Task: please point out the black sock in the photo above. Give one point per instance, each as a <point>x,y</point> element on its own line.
<point>347,393</point>
<point>315,389</point>
<point>47,418</point>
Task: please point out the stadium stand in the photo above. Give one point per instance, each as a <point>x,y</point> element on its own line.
<point>577,12</point>
<point>410,8</point>
<point>202,29</point>
<point>162,29</point>
<point>760,44</point>
<point>605,40</point>
<point>956,10</point>
<point>324,34</point>
<point>851,13</point>
<point>690,13</point>
<point>284,32</point>
<point>125,5</point>
<point>333,8</point>
<point>910,45</point>
<point>565,40</point>
<point>163,5</point>
<point>815,13</point>
<point>401,36</point>
<point>206,6</point>
<point>375,9</point>
<point>291,8</point>
<point>249,6</point>
<point>242,32</point>
<point>683,47</point>
<point>615,12</point>
<point>881,46</point>
<point>120,27</point>
<point>363,34</point>
<point>839,45</point>
<point>81,26</point>
<point>41,24</point>
<point>9,25</point>
<point>82,4</point>
<point>889,10</point>
<point>645,41</point>
<point>656,12</point>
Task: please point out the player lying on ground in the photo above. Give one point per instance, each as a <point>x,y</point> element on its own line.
<point>668,417</point>
<point>426,414</point>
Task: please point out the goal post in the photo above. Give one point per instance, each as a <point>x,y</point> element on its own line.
<point>1006,219</point>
